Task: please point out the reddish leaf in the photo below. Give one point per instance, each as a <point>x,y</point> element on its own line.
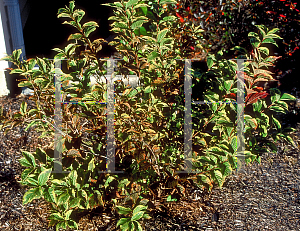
<point>250,91</point>
<point>259,89</point>
<point>252,98</point>
<point>231,96</point>
<point>178,15</point>
<point>208,17</point>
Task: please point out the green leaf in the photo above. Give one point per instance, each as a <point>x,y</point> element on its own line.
<point>210,61</point>
<point>73,177</point>
<point>42,65</point>
<point>290,140</point>
<point>152,55</point>
<point>26,173</point>
<point>64,15</point>
<point>75,202</point>
<point>137,215</point>
<point>272,146</point>
<point>143,31</point>
<point>270,40</point>
<point>31,64</point>
<point>205,179</point>
<point>137,226</point>
<point>72,224</point>
<point>255,42</point>
<point>68,214</point>
<point>148,89</point>
<point>31,194</point>
<point>88,30</point>
<point>41,155</point>
<point>71,6</point>
<point>264,50</point>
<point>140,5</point>
<point>277,109</point>
<point>218,175</point>
<point>283,104</point>
<point>169,18</point>
<point>144,9</point>
<point>16,54</point>
<point>44,176</point>
<point>76,36</point>
<point>251,121</point>
<point>169,198</point>
<point>7,58</point>
<point>123,210</point>
<point>273,36</point>
<point>78,14</point>
<point>161,35</point>
<point>289,129</point>
<point>24,162</point>
<point>31,181</point>
<point>262,29</point>
<point>265,118</point>
<point>120,25</point>
<point>228,84</point>
<point>123,221</point>
<point>70,49</point>
<point>131,226</point>
<point>56,216</point>
<point>125,116</point>
<point>62,225</point>
<point>146,216</point>
<point>49,195</point>
<point>16,71</point>
<point>63,199</point>
<point>257,105</point>
<point>131,2</point>
<point>137,24</point>
<point>91,165</point>
<point>253,34</point>
<point>226,169</point>
<point>233,143</point>
<point>84,195</point>
<point>30,158</point>
<point>240,49</point>
<point>287,96</point>
<point>139,208</point>
<point>265,131</point>
<point>273,31</point>
<point>168,2</point>
<point>276,122</point>
<point>91,23</point>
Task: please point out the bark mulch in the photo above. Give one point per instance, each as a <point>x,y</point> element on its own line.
<point>265,196</point>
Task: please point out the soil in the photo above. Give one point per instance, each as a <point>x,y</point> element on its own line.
<point>264,196</point>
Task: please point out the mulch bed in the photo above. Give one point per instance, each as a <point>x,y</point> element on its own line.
<point>265,196</point>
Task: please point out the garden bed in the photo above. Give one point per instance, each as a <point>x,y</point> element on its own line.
<point>265,196</point>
